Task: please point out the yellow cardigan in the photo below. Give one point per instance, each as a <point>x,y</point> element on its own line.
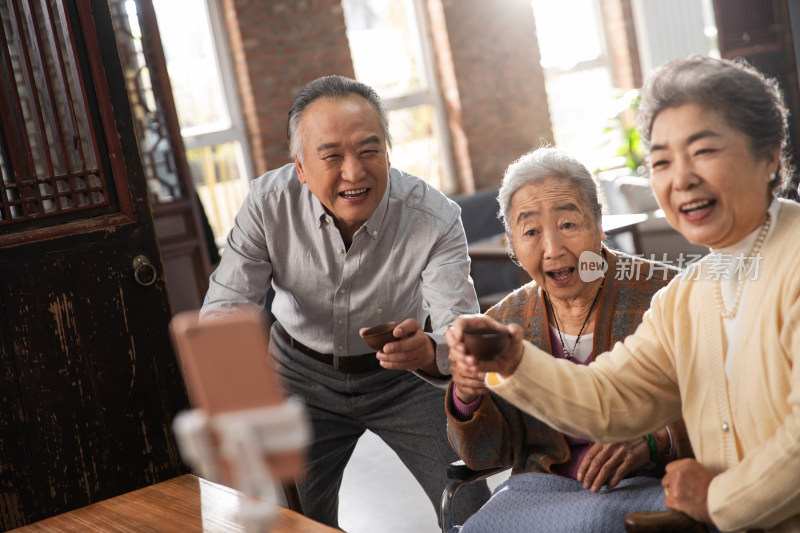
<point>745,428</point>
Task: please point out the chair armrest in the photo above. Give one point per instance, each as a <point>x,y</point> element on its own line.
<point>459,475</point>
<point>662,522</point>
<point>459,470</point>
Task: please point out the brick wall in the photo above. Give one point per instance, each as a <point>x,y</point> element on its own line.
<point>503,105</point>
<point>487,61</point>
<point>448,85</point>
<point>277,47</point>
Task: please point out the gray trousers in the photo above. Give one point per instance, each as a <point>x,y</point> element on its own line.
<point>403,410</point>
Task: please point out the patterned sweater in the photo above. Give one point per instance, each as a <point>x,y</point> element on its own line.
<point>499,434</point>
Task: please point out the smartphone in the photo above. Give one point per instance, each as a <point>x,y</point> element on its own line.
<point>228,367</point>
<point>226,361</point>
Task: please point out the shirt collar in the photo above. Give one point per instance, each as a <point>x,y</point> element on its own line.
<point>320,213</point>
<point>373,224</point>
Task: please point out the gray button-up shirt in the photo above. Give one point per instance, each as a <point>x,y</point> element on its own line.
<point>409,260</point>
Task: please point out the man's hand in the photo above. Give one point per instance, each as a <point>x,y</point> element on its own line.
<point>608,464</point>
<point>686,488</point>
<point>505,363</point>
<point>413,351</point>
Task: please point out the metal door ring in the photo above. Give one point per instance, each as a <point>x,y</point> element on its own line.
<point>140,265</point>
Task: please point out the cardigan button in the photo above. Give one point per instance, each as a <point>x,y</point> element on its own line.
<point>725,426</point>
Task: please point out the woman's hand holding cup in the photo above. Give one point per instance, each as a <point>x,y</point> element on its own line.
<point>466,363</point>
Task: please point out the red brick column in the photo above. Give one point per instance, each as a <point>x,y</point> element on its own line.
<point>277,47</point>
<point>496,101</point>
<point>623,50</point>
<point>448,85</point>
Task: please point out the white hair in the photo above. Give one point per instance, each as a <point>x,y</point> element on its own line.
<point>547,163</point>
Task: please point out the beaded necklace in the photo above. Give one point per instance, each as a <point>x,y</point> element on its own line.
<point>569,354</point>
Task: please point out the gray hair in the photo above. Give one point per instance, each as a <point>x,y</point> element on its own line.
<point>548,163</point>
<point>330,87</point>
<point>749,101</point>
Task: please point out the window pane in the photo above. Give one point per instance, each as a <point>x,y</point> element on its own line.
<point>193,70</point>
<point>580,96</point>
<point>415,145</point>
<point>568,32</point>
<point>385,45</point>
<point>152,134</point>
<point>581,118</point>
<point>216,176</point>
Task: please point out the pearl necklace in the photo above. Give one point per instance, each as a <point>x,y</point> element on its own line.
<point>724,312</point>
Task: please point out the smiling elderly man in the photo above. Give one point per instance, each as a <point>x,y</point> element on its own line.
<point>348,242</point>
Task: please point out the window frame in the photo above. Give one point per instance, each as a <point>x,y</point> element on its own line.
<point>194,138</point>
<point>431,95</point>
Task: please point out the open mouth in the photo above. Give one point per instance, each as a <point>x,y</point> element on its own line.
<point>696,207</point>
<point>561,275</point>
<point>352,194</point>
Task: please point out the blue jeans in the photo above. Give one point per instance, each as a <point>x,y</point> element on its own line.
<point>406,412</point>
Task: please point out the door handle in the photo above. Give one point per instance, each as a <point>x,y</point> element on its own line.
<point>143,271</point>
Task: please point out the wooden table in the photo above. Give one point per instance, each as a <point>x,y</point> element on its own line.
<point>185,504</point>
<point>494,248</point>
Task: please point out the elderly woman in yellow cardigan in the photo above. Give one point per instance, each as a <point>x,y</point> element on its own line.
<point>721,343</point>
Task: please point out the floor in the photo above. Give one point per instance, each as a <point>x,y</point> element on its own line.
<point>379,494</point>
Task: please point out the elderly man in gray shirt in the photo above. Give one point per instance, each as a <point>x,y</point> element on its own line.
<point>348,242</point>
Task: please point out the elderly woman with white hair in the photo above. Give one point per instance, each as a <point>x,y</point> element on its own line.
<point>549,206</point>
<point>720,345</point>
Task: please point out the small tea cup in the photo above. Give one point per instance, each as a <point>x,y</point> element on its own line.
<point>379,336</point>
<point>485,343</point>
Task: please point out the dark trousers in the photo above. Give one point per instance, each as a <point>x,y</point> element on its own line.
<point>406,412</point>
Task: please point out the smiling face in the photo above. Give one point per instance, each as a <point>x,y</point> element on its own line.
<point>550,228</point>
<point>345,160</point>
<point>707,179</point>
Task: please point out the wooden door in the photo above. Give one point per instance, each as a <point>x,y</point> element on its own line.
<point>89,384</point>
<point>176,206</point>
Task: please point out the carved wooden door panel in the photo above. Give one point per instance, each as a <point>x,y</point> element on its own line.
<point>89,384</point>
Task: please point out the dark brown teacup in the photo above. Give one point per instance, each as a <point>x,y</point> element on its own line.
<point>379,336</point>
<point>485,342</point>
